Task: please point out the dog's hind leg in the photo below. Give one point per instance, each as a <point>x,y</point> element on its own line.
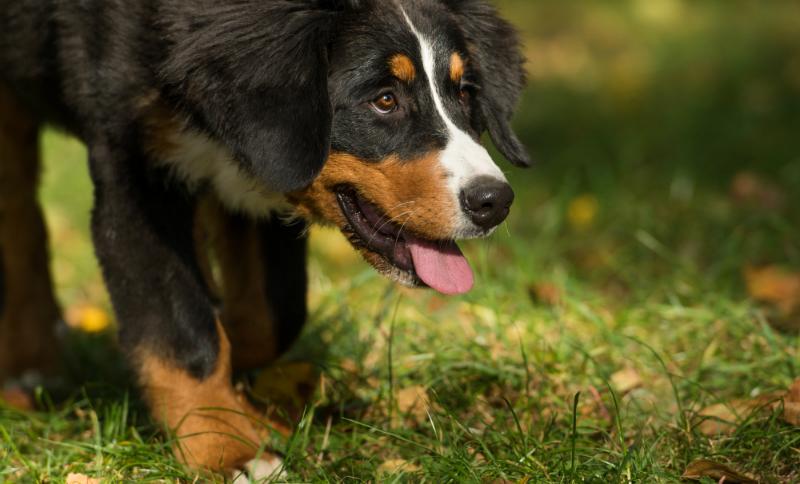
<point>28,309</point>
<point>2,284</point>
<point>262,279</point>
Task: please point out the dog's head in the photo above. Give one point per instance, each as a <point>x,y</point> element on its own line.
<point>368,114</point>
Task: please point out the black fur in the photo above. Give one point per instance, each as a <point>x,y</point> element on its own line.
<point>2,285</point>
<point>284,248</point>
<point>274,55</point>
<point>142,232</point>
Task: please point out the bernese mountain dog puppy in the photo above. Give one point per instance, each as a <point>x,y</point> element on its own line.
<point>205,121</point>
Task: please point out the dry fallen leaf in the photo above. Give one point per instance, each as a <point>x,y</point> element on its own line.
<point>74,478</point>
<point>774,285</point>
<point>17,398</point>
<point>394,466</point>
<point>780,290</point>
<point>413,401</point>
<point>724,418</point>
<point>545,293</point>
<point>701,468</point>
<point>791,404</point>
<point>349,365</point>
<point>750,189</point>
<point>593,406</point>
<point>626,380</point>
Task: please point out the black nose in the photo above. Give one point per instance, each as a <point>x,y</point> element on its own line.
<point>486,201</point>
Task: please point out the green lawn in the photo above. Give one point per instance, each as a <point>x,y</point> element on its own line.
<point>608,312</point>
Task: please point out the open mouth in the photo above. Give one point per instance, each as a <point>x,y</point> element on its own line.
<point>438,264</point>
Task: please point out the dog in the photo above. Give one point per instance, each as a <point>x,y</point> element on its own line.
<point>207,121</point>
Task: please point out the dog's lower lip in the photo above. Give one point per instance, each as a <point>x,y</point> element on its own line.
<point>373,230</point>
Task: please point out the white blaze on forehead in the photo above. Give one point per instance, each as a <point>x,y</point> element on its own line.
<point>463,158</point>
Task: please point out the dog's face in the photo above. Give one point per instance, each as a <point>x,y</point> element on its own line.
<point>370,116</point>
<point>406,174</point>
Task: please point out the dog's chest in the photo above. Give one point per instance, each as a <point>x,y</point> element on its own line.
<point>202,162</point>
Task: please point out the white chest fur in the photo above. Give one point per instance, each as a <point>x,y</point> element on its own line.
<point>201,161</point>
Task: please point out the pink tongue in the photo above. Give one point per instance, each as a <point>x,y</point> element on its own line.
<point>441,265</point>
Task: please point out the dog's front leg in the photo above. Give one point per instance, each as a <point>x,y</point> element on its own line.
<point>142,230</point>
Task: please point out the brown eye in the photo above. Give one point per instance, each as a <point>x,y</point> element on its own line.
<point>385,104</point>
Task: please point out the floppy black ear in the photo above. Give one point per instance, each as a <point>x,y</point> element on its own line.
<point>254,75</point>
<point>495,48</point>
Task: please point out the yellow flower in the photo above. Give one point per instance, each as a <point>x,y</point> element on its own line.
<point>93,319</point>
<point>582,212</point>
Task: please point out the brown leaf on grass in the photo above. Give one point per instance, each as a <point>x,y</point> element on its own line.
<point>17,398</point>
<point>74,478</point>
<point>750,189</point>
<point>436,302</point>
<point>701,468</point>
<point>791,404</point>
<point>413,401</point>
<point>349,365</point>
<point>394,466</point>
<point>724,418</point>
<point>774,285</point>
<point>779,289</point>
<point>595,407</point>
<point>545,293</point>
<point>626,380</point>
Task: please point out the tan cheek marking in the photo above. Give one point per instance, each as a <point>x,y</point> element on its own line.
<point>456,67</point>
<point>209,418</point>
<point>412,193</point>
<point>402,67</point>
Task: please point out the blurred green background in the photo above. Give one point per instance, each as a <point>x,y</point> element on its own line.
<point>677,122</point>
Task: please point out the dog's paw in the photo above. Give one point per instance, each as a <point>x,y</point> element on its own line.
<point>263,470</point>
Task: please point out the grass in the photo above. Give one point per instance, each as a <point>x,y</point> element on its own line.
<point>624,253</point>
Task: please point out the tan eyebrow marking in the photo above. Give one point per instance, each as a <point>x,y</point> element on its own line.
<point>456,67</point>
<point>402,67</point>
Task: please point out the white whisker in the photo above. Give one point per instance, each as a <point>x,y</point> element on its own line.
<point>400,232</point>
<point>388,221</point>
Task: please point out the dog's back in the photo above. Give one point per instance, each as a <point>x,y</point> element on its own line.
<point>28,56</point>
<point>27,40</point>
<point>78,63</point>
